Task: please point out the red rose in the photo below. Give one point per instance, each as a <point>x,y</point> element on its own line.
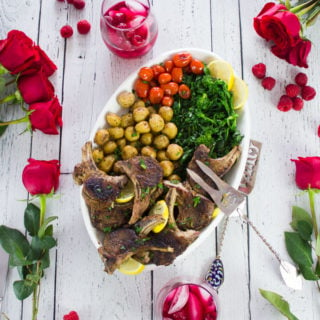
<point>16,51</point>
<point>278,24</point>
<point>46,116</point>
<point>44,62</point>
<point>296,55</point>
<point>308,172</point>
<point>41,177</point>
<point>35,87</point>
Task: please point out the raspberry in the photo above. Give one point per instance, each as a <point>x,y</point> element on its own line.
<point>79,4</point>
<point>71,316</point>
<point>83,26</point>
<point>297,103</point>
<point>301,79</point>
<point>292,90</point>
<point>268,83</point>
<point>308,93</point>
<point>259,70</point>
<point>285,103</point>
<point>66,31</point>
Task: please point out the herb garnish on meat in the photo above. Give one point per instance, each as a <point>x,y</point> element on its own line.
<point>206,118</point>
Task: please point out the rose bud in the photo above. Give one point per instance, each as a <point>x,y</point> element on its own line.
<point>35,87</point>
<point>41,177</point>
<point>307,172</point>
<point>16,52</point>
<point>46,116</point>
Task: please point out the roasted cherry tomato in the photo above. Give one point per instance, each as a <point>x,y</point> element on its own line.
<point>157,69</point>
<point>170,88</point>
<point>177,74</point>
<point>182,59</point>
<point>196,66</point>
<point>184,91</point>
<point>168,65</point>
<point>146,74</point>
<point>167,101</point>
<point>141,87</point>
<point>164,78</point>
<point>155,95</point>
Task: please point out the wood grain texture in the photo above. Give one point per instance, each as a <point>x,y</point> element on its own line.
<point>87,76</point>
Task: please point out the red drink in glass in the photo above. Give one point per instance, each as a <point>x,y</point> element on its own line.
<point>128,28</point>
<point>186,300</point>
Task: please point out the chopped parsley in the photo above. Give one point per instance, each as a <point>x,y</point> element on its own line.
<point>142,164</point>
<point>107,229</point>
<point>196,200</point>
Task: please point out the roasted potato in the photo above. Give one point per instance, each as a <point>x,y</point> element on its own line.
<point>152,110</point>
<point>131,134</point>
<point>166,113</point>
<point>161,141</point>
<point>138,104</point>
<point>174,178</point>
<point>167,167</point>
<point>97,155</point>
<point>142,127</point>
<point>126,99</point>
<point>149,152</point>
<point>116,133</point>
<point>170,130</point>
<point>128,152</point>
<point>109,147</point>
<point>101,137</point>
<point>121,143</point>
<point>113,119</point>
<point>146,139</point>
<point>140,114</point>
<point>107,162</point>
<point>161,155</point>
<point>174,151</point>
<point>156,122</point>
<point>127,120</point>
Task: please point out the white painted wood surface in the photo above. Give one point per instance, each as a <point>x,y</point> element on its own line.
<point>87,75</point>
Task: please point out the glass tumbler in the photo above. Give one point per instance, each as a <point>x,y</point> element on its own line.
<point>128,28</point>
<point>186,298</point>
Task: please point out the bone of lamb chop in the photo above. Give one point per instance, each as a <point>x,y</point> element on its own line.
<point>121,244</point>
<point>99,189</point>
<point>146,175</point>
<point>219,165</point>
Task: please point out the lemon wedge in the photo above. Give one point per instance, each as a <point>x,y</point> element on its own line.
<point>131,267</point>
<point>160,208</point>
<point>215,212</point>
<point>240,93</point>
<point>223,70</point>
<point>126,194</point>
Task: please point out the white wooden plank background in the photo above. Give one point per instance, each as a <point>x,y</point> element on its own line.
<point>87,75</point>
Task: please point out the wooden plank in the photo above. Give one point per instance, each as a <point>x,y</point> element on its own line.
<point>284,136</point>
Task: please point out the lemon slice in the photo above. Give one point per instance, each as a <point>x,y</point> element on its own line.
<point>131,267</point>
<point>240,93</point>
<point>223,70</point>
<point>215,212</point>
<point>126,194</point>
<point>160,208</point>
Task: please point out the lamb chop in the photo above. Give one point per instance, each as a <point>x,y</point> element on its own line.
<point>121,244</point>
<point>146,175</point>
<point>219,165</point>
<point>99,189</point>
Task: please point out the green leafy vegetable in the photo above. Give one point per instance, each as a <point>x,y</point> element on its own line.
<point>279,303</point>
<point>206,118</point>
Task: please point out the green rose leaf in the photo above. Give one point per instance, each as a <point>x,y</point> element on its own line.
<point>308,273</point>
<point>15,260</point>
<point>23,289</point>
<point>318,245</point>
<point>32,219</point>
<point>317,271</point>
<point>43,228</point>
<point>2,84</point>
<point>2,129</point>
<point>45,261</point>
<point>23,271</point>
<point>279,303</point>
<point>298,249</point>
<point>14,242</point>
<point>49,230</point>
<point>40,245</point>
<point>304,230</point>
<point>299,214</point>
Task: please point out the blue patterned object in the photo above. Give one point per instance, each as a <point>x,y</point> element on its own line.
<point>215,275</point>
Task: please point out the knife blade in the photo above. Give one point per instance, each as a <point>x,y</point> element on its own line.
<point>4,258</point>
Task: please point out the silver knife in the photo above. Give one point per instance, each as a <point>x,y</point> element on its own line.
<point>4,258</point>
